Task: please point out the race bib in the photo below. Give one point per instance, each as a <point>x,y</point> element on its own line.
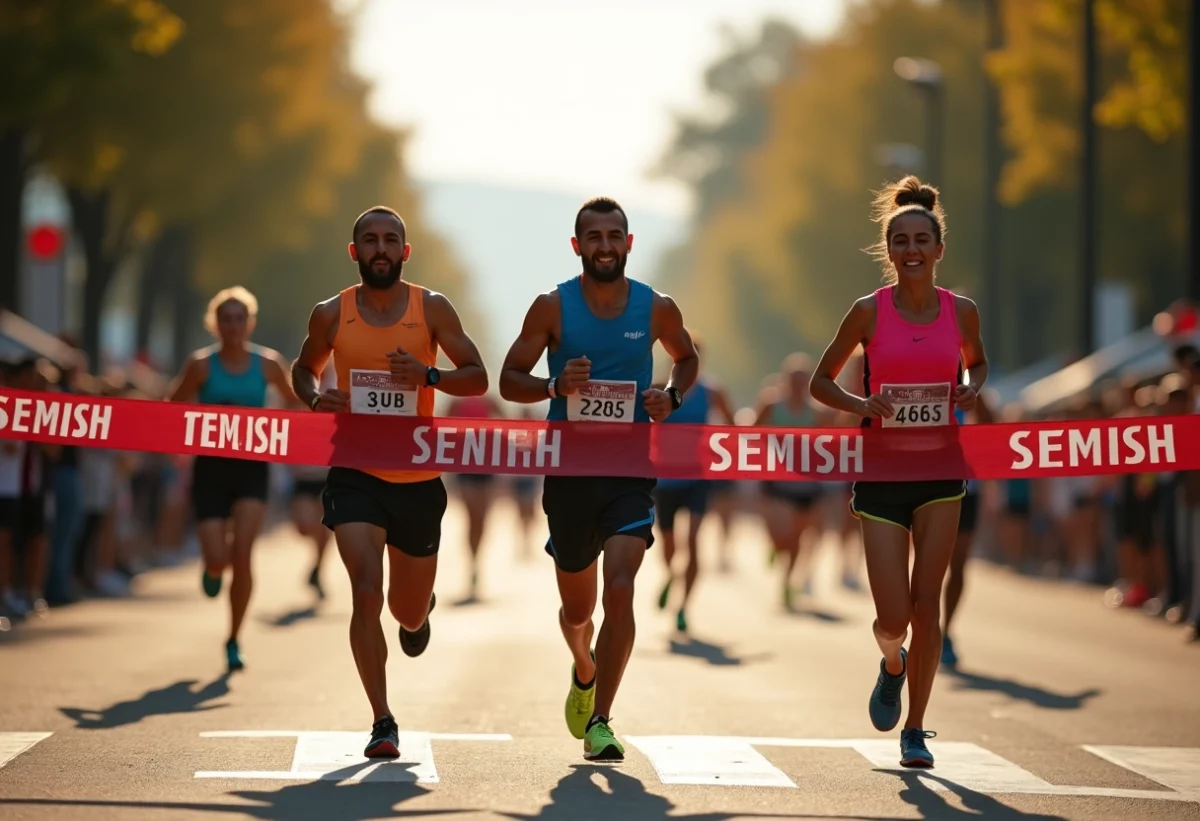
<point>379,392</point>
<point>918,406</point>
<point>603,401</point>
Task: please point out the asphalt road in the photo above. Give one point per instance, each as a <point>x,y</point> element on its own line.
<point>1061,709</point>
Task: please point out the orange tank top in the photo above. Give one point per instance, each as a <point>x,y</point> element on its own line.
<point>363,370</point>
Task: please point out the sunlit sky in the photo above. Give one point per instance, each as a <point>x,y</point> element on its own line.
<point>564,95</point>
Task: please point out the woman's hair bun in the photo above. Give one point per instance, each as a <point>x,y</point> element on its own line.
<point>911,191</point>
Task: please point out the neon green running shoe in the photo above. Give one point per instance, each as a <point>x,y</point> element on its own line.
<point>580,704</point>
<point>599,744</point>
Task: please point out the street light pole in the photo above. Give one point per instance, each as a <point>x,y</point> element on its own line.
<point>927,76</point>
<point>991,203</point>
<point>1087,188</point>
<point>1193,162</point>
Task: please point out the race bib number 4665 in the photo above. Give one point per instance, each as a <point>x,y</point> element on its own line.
<point>378,392</point>
<point>603,401</point>
<point>918,406</point>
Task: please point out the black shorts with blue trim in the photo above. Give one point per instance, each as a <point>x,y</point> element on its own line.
<point>584,512</point>
<point>897,502</point>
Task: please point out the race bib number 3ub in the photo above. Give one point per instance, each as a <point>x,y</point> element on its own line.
<point>603,401</point>
<point>918,406</point>
<point>378,392</point>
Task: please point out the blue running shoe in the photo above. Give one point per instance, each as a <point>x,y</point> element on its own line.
<point>949,657</point>
<point>913,752</point>
<point>233,655</point>
<point>885,698</point>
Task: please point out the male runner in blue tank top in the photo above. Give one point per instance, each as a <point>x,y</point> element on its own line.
<point>600,329</point>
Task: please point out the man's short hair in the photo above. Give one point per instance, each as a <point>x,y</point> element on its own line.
<point>601,205</point>
<point>379,209</point>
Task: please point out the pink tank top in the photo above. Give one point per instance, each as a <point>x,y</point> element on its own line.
<point>914,361</point>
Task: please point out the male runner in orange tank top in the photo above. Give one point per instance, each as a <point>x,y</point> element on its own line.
<point>384,335</point>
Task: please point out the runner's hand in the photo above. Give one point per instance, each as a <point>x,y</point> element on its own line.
<point>876,406</point>
<point>332,401</point>
<point>575,374</point>
<point>406,369</point>
<point>964,397</point>
<point>657,403</point>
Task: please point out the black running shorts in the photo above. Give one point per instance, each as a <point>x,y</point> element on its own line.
<point>670,498</point>
<point>586,511</point>
<point>969,513</point>
<point>308,487</point>
<point>218,482</point>
<point>897,502</point>
<point>410,512</point>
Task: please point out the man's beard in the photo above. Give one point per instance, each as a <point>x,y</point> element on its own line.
<point>380,281</point>
<point>609,275</point>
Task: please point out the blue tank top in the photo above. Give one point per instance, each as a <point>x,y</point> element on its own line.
<point>620,348</point>
<point>693,411</point>
<point>247,390</point>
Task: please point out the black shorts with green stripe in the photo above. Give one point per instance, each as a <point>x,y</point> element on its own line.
<point>897,502</point>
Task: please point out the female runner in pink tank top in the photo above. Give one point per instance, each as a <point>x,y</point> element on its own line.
<point>917,339</point>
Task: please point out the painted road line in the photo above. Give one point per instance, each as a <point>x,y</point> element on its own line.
<point>13,744</point>
<point>337,756</point>
<point>1174,767</point>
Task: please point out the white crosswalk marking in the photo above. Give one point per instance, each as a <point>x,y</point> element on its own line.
<point>13,744</point>
<point>1174,767</point>
<point>734,762</point>
<point>337,756</point>
<point>713,760</point>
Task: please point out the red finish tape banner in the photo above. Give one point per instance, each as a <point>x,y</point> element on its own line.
<point>665,451</point>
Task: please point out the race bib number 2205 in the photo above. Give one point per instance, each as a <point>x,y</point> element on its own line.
<point>603,401</point>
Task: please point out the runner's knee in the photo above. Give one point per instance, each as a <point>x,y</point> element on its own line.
<point>367,593</point>
<point>926,611</point>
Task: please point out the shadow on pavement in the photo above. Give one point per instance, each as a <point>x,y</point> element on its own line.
<point>366,800</point>
<point>714,654</point>
<point>292,617</point>
<point>577,797</point>
<point>802,612</point>
<point>174,698</point>
<point>933,805</point>
<point>966,680</point>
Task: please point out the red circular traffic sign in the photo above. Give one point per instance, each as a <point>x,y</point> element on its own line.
<point>45,242</point>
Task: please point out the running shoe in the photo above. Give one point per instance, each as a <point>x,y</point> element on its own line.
<point>414,644</point>
<point>580,704</point>
<point>599,743</point>
<point>949,657</point>
<point>885,705</point>
<point>233,656</point>
<point>913,752</point>
<point>681,621</point>
<point>314,581</point>
<point>385,739</point>
<point>211,584</point>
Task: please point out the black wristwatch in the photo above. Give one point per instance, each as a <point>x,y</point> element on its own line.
<point>432,377</point>
<point>676,397</point>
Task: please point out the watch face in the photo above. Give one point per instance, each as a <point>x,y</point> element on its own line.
<point>435,376</point>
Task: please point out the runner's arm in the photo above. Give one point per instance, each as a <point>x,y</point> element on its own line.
<point>277,374</point>
<point>855,330</point>
<point>469,377</point>
<point>724,408</point>
<point>974,357</point>
<point>677,342</point>
<point>187,384</point>
<point>517,384</point>
<point>315,351</point>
